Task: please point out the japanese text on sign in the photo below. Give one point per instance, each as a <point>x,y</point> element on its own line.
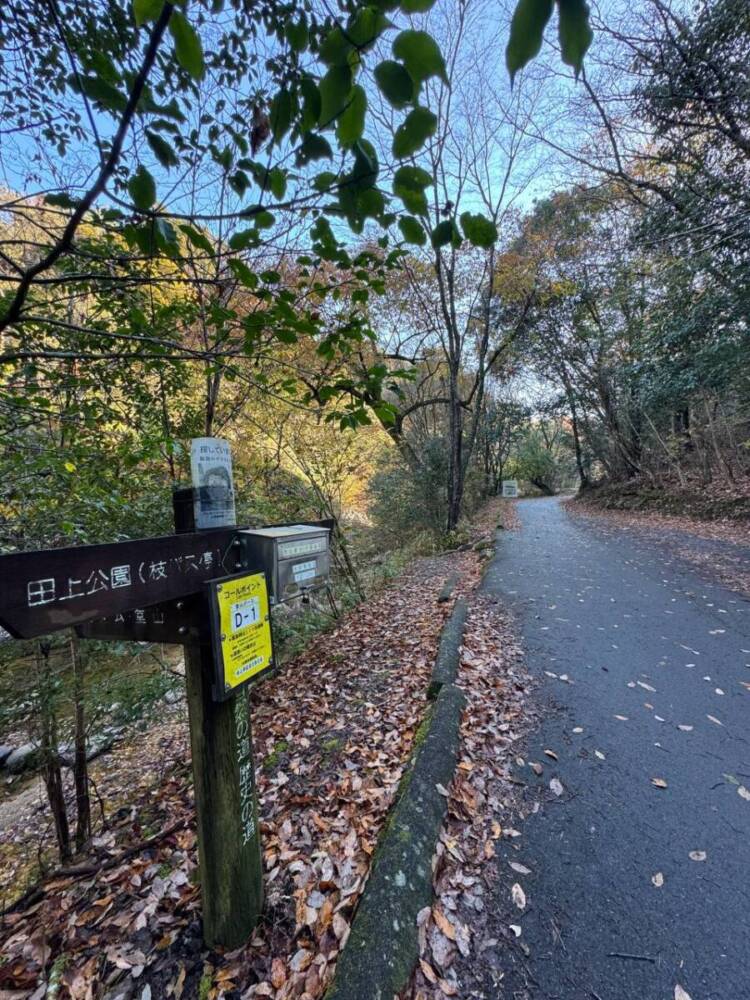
<point>52,589</point>
<point>245,765</point>
<point>211,469</point>
<point>245,628</point>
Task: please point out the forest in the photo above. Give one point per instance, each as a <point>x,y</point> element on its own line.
<point>394,253</point>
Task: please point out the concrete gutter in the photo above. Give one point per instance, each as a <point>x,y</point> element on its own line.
<point>383,944</point>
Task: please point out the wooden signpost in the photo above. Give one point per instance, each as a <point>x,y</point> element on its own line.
<point>208,591</point>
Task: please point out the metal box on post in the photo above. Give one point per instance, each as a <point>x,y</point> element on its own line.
<point>295,557</point>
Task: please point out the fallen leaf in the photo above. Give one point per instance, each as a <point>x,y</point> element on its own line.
<point>536,768</point>
<point>658,880</point>
<point>556,786</point>
<point>680,994</point>
<point>579,729</point>
<point>599,754</point>
<point>444,923</point>
<point>685,729</point>
<point>622,718</point>
<point>278,973</point>
<point>552,754</point>
<point>713,718</point>
<point>518,896</point>
<point>521,869</point>
<point>743,793</point>
<point>659,782</point>
<point>697,855</point>
<point>516,928</point>
<point>428,971</point>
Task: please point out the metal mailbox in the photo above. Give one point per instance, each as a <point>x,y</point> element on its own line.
<point>295,557</point>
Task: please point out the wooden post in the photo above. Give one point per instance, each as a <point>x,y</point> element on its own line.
<point>229,851</point>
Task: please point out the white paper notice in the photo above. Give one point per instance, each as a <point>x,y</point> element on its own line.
<point>211,469</point>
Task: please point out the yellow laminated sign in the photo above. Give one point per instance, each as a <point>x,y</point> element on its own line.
<point>244,628</point>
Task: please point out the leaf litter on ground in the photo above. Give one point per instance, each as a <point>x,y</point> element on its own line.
<point>482,799</point>
<point>332,733</point>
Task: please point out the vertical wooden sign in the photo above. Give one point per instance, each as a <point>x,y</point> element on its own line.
<point>229,852</point>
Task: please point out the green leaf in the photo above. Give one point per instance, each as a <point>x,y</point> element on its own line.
<point>395,83</point>
<point>421,55</point>
<point>371,203</point>
<point>142,189</point>
<point>314,147</point>
<point>367,27</point>
<point>239,182</point>
<point>444,233</point>
<point>277,182</point>
<point>408,184</point>
<point>411,230</point>
<point>262,219</point>
<point>146,10</point>
<point>478,230</point>
<point>324,181</point>
<point>297,35</point>
<point>574,32</point>
<point>351,123</point>
<point>198,239</point>
<point>97,89</point>
<point>187,45</point>
<point>335,48</point>
<point>243,273</point>
<point>365,170</point>
<point>61,200</point>
<point>413,132</point>
<point>310,103</point>
<point>526,31</point>
<point>166,237</point>
<point>281,114</point>
<point>416,6</point>
<point>244,239</point>
<point>334,93</point>
<point>162,150</point>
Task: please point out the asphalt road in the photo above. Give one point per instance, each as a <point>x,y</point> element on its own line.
<point>630,631</point>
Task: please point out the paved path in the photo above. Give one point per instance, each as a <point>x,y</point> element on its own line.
<point>640,635</point>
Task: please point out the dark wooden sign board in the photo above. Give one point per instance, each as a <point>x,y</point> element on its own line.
<point>155,590</point>
<point>58,588</point>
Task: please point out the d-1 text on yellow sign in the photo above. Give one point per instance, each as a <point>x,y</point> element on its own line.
<point>245,628</point>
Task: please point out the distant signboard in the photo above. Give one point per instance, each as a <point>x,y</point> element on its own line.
<point>241,627</point>
<point>510,487</point>
<point>211,471</point>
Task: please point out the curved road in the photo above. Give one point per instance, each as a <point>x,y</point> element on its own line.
<point>645,645</point>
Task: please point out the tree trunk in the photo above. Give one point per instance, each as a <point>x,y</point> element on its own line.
<point>583,478</point>
<point>455,456</point>
<point>50,760</point>
<point>546,490</point>
<point>80,766</point>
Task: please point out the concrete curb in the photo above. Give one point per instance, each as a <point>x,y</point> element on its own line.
<point>383,945</point>
<point>446,662</point>
<point>448,587</point>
